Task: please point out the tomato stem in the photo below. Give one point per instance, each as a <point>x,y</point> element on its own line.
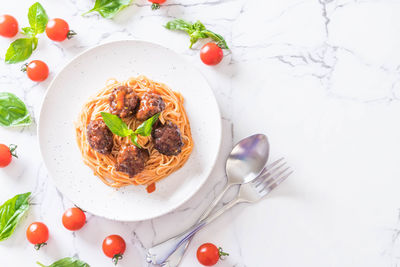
<point>24,67</point>
<point>38,263</point>
<point>116,258</point>
<point>38,246</point>
<point>155,6</point>
<point>13,151</point>
<point>71,34</point>
<point>221,253</point>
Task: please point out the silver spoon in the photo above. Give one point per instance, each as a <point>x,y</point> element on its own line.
<point>245,162</point>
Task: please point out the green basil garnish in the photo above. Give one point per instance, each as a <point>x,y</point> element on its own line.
<point>146,127</point>
<point>134,139</point>
<point>21,49</point>
<point>109,8</point>
<point>13,111</point>
<point>118,127</point>
<point>11,213</point>
<point>66,262</point>
<point>196,31</point>
<point>37,18</point>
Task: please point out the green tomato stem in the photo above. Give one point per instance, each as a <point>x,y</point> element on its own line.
<point>38,263</point>
<point>155,6</point>
<point>38,246</point>
<point>116,258</point>
<point>71,34</point>
<point>222,253</point>
<point>13,151</point>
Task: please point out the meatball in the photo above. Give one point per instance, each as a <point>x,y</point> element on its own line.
<point>150,105</point>
<point>123,101</point>
<point>132,160</point>
<point>100,138</point>
<point>167,139</point>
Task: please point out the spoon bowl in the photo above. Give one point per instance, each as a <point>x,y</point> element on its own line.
<point>247,159</point>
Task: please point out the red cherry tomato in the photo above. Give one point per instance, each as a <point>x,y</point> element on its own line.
<point>113,247</point>
<point>6,154</point>
<point>74,219</point>
<point>208,254</point>
<point>37,233</point>
<point>37,70</point>
<point>211,54</point>
<point>156,3</point>
<point>8,26</point>
<point>58,30</point>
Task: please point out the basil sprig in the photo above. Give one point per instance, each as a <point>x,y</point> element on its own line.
<point>118,127</point>
<point>11,213</point>
<point>196,31</point>
<point>13,111</point>
<point>22,48</point>
<point>109,8</point>
<point>66,262</point>
<point>37,19</point>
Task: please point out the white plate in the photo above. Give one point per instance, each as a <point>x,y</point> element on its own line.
<point>84,76</point>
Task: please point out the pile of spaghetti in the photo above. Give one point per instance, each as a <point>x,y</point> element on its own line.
<point>158,166</point>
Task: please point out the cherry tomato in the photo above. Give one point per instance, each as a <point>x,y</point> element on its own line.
<point>8,26</point>
<point>37,233</point>
<point>37,70</point>
<point>58,30</point>
<point>113,247</point>
<point>156,3</point>
<point>74,219</point>
<point>208,254</point>
<point>211,54</point>
<point>6,154</point>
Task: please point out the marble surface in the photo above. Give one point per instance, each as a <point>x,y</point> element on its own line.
<point>320,77</point>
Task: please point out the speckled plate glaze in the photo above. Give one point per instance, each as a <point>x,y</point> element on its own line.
<point>85,75</point>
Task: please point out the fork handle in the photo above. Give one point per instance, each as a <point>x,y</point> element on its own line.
<point>215,202</point>
<point>160,253</point>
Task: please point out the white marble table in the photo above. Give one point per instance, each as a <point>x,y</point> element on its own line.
<point>320,78</point>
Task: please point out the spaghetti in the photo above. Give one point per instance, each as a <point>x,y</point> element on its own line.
<point>158,166</point>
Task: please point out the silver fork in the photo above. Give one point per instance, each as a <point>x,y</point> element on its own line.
<point>250,193</point>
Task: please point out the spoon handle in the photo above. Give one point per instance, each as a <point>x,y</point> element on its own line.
<point>215,202</point>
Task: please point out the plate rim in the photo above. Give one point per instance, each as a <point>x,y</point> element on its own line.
<point>40,141</point>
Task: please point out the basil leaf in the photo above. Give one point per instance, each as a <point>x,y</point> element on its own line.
<point>13,111</point>
<point>35,42</point>
<point>196,31</point>
<point>109,8</point>
<point>134,139</point>
<point>179,24</point>
<point>195,36</point>
<point>116,125</point>
<point>37,18</point>
<point>11,213</point>
<point>216,37</point>
<point>198,26</point>
<point>66,262</point>
<point>145,128</point>
<point>28,31</point>
<point>20,50</point>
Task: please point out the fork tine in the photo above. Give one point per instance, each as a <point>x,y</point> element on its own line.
<point>262,178</point>
<point>271,179</point>
<point>273,185</point>
<point>269,166</point>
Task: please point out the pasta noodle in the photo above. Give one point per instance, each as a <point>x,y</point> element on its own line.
<point>158,166</point>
